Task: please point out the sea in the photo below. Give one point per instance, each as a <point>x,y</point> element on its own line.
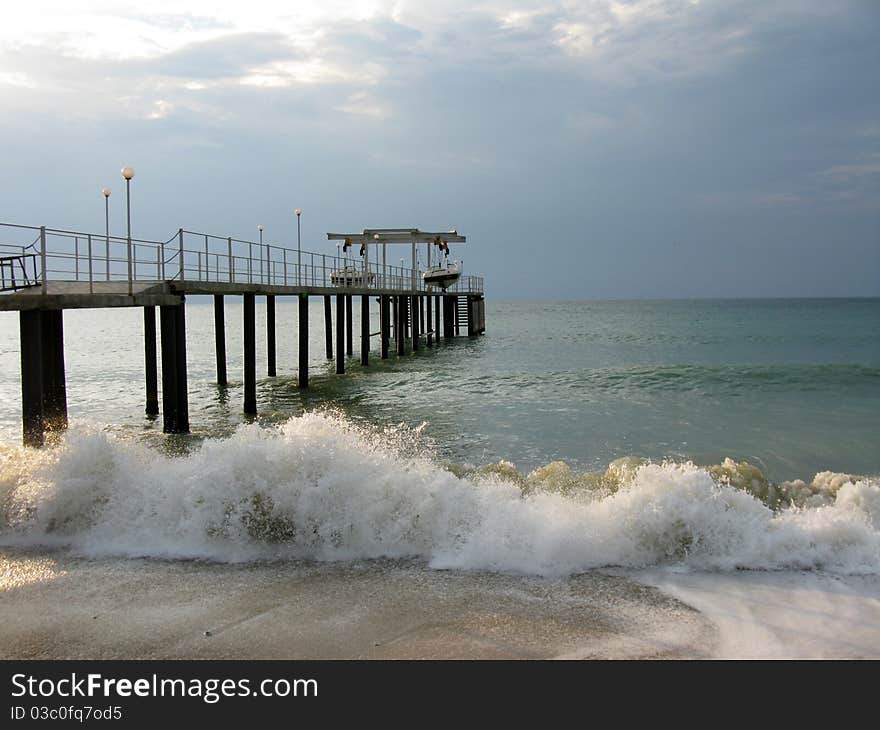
<point>678,444</point>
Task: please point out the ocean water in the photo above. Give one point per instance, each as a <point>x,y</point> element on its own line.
<point>711,435</point>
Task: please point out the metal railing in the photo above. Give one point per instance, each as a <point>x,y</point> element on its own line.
<point>189,256</point>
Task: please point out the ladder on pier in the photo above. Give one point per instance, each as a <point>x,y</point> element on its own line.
<point>14,273</point>
<point>461,312</point>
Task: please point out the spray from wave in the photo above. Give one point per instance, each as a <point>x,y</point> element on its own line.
<point>319,487</point>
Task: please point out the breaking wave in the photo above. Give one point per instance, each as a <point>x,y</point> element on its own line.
<point>319,487</point>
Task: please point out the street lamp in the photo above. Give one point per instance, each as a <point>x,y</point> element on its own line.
<point>298,212</point>
<point>262,253</point>
<point>128,174</point>
<point>106,193</point>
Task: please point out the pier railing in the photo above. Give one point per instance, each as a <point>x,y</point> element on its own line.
<point>33,255</point>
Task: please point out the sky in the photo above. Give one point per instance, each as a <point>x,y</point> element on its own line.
<point>604,148</point>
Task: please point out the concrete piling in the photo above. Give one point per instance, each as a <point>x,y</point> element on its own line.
<point>400,327</point>
<point>150,366</point>
<point>270,336</point>
<point>54,382</point>
<point>349,333</point>
<point>175,406</point>
<point>365,330</point>
<point>416,319</point>
<point>30,329</point>
<point>384,325</point>
<point>303,350</point>
<point>220,338</point>
<point>250,354</point>
<point>340,334</point>
<point>328,327</point>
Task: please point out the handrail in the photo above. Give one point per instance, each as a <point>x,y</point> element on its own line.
<point>191,256</point>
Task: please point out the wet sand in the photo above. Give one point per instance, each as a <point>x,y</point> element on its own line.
<point>53,605</point>
<point>56,606</point>
<point>768,615</point>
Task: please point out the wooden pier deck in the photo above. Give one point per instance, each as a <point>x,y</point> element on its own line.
<point>60,270</point>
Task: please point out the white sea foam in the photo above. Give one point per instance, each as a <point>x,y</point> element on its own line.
<point>318,487</point>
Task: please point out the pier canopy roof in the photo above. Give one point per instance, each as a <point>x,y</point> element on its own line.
<point>398,235</point>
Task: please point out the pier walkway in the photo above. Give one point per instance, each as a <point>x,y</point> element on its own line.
<point>44,271</point>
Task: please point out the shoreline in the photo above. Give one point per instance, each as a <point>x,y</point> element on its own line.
<point>782,614</point>
<point>56,606</point>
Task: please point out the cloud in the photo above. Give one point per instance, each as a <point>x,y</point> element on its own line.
<point>778,199</point>
<point>630,119</point>
<point>852,185</point>
<point>228,56</point>
<point>360,103</point>
<point>867,168</point>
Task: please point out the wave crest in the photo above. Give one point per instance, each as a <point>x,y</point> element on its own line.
<point>320,487</point>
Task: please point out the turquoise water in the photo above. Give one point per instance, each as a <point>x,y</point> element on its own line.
<point>792,386</point>
<point>701,434</point>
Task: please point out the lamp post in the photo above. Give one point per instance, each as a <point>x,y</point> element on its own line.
<point>106,193</point>
<point>298,212</point>
<point>262,253</point>
<point>128,174</point>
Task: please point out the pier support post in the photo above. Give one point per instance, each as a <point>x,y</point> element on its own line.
<point>448,317</point>
<point>395,306</point>
<point>473,324</point>
<point>43,383</point>
<point>422,328</point>
<point>54,384</point>
<point>437,318</point>
<point>416,319</point>
<point>150,367</point>
<point>175,406</point>
<point>349,334</point>
<point>365,329</point>
<point>30,327</point>
<point>220,338</point>
<point>384,324</point>
<point>453,314</point>
<point>456,315</point>
<point>340,334</point>
<point>270,335</point>
<point>428,321</point>
<point>250,355</point>
<point>399,327</point>
<point>328,327</point>
<point>303,352</point>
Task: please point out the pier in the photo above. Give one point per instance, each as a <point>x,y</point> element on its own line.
<point>44,271</point>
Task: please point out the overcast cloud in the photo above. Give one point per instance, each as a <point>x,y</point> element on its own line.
<point>652,148</point>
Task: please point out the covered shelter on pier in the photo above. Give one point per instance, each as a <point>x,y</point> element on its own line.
<point>412,236</point>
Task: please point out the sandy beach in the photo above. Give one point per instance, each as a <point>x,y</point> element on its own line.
<point>56,606</point>
<point>770,615</point>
